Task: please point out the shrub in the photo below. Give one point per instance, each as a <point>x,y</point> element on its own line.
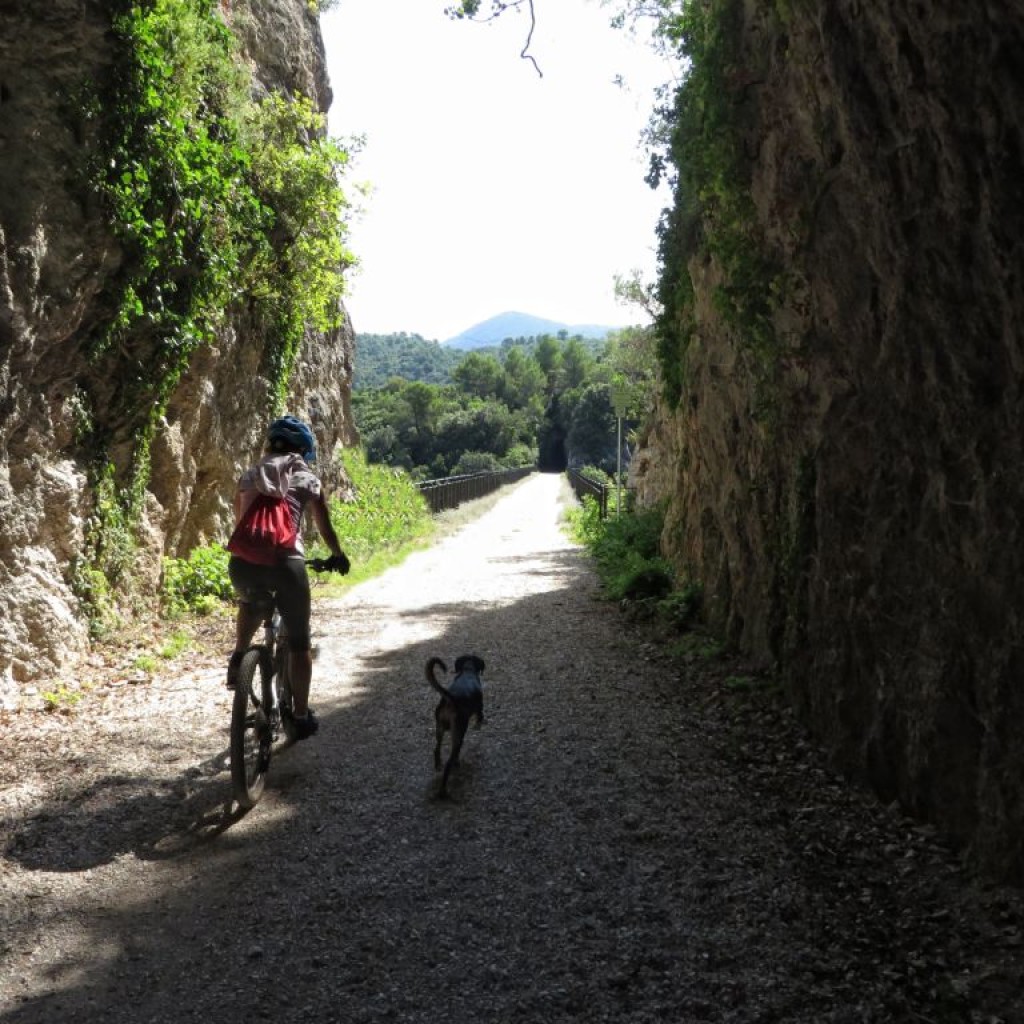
<point>520,455</point>
<point>625,550</point>
<point>197,584</point>
<point>476,462</point>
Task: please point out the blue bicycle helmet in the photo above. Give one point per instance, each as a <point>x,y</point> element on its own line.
<point>294,434</point>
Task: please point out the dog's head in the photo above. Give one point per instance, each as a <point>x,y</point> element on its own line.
<point>469,663</point>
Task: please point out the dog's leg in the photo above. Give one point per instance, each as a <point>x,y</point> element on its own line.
<point>439,736</point>
<point>459,728</point>
<point>458,734</point>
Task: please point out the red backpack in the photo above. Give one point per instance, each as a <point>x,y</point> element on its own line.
<point>266,533</point>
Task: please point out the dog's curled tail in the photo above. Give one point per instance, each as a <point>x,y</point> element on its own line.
<point>431,664</point>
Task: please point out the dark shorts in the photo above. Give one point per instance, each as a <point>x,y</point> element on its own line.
<point>286,585</point>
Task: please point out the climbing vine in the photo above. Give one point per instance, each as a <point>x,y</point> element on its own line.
<point>219,198</point>
<point>297,281</point>
<point>223,199</point>
<point>713,214</point>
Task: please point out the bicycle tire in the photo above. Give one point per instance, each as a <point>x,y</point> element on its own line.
<point>251,734</point>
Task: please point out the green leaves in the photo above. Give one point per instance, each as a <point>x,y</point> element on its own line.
<point>197,584</point>
<point>218,199</point>
<point>303,254</point>
<point>217,195</point>
<point>713,212</point>
<point>388,513</point>
<point>625,549</point>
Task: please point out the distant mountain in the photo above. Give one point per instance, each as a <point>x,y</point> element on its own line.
<point>519,325</point>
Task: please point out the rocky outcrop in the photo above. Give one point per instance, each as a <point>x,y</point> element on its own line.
<point>858,521</point>
<point>58,257</point>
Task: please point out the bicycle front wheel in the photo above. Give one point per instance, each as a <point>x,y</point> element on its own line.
<point>251,734</point>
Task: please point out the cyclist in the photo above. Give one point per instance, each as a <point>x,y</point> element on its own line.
<point>284,471</point>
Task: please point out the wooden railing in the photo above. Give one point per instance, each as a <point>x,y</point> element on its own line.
<point>584,486</point>
<point>452,491</point>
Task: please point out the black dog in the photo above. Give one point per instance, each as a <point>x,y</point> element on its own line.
<point>458,704</point>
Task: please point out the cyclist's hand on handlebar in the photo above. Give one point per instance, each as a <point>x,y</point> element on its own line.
<point>339,563</point>
<point>336,563</point>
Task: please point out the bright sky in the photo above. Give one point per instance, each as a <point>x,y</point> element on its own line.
<point>494,189</point>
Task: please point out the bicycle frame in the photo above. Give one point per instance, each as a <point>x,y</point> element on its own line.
<point>275,649</point>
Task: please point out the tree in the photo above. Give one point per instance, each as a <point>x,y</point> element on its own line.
<point>549,357</point>
<point>577,363</point>
<point>632,290</point>
<point>523,387</point>
<point>592,436</point>
<point>409,356</point>
<point>633,357</point>
<point>383,445</point>
<point>420,399</point>
<point>479,375</point>
<point>484,427</point>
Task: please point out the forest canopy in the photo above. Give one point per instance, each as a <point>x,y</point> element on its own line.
<point>544,401</point>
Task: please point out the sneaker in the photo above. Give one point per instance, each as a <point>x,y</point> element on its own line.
<point>301,728</point>
<point>233,666</point>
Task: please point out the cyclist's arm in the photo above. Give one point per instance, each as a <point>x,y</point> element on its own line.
<point>322,520</point>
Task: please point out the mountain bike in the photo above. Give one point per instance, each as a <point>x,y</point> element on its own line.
<point>261,711</point>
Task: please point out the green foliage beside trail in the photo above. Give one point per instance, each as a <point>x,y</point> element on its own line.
<point>626,551</point>
<point>388,519</point>
<point>225,200</point>
<point>697,138</point>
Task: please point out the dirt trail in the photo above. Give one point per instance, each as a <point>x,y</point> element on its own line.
<point>626,841</point>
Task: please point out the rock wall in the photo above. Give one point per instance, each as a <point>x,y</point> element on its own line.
<point>865,535</point>
<point>57,260</point>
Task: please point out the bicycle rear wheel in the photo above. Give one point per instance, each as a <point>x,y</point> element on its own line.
<point>251,734</point>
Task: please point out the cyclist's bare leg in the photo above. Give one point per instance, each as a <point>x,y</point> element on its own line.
<point>301,667</point>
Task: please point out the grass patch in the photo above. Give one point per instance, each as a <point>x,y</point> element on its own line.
<point>697,647</point>
<point>174,646</point>
<point>387,522</point>
<point>61,699</point>
<point>147,663</point>
<point>627,551</point>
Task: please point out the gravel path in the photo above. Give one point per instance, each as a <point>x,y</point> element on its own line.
<point>631,838</point>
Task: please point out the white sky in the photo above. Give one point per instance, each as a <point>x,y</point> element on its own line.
<point>494,189</point>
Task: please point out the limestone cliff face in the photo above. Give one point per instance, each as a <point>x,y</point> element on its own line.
<point>57,259</point>
<point>865,533</point>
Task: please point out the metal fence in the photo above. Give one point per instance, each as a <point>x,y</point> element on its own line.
<point>452,491</point>
<point>584,486</point>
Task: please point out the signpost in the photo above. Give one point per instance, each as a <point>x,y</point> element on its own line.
<point>620,403</point>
